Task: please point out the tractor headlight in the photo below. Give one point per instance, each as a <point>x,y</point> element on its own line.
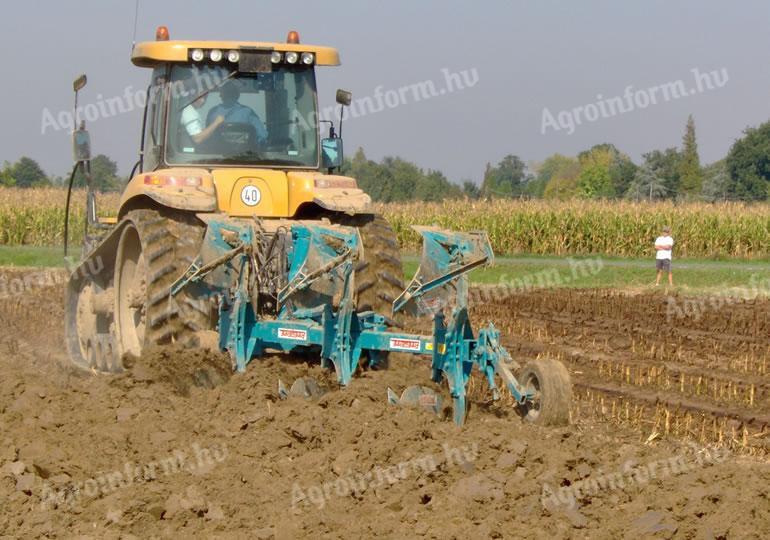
<point>233,56</point>
<point>292,57</point>
<point>215,55</point>
<point>307,58</point>
<point>197,55</point>
<point>276,57</point>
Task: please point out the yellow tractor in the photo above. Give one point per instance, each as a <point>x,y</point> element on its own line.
<point>231,133</point>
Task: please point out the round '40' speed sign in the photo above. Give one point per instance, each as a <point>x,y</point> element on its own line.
<point>250,195</point>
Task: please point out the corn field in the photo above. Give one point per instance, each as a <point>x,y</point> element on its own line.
<point>36,217</point>
<point>583,227</point>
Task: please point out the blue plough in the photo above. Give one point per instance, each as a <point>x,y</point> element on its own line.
<point>315,306</point>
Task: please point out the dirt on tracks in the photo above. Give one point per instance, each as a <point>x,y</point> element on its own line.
<point>156,452</point>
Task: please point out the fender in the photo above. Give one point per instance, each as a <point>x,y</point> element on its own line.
<point>348,201</point>
<point>196,199</point>
<point>181,189</point>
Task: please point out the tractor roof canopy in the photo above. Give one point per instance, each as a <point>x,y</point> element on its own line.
<point>153,53</point>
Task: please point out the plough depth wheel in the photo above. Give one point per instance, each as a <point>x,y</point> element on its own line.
<point>549,382</point>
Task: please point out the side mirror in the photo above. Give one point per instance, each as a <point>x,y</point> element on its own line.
<point>81,140</point>
<point>81,145</point>
<point>331,153</point>
<point>344,97</point>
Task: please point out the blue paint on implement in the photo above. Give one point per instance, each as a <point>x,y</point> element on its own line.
<point>321,258</point>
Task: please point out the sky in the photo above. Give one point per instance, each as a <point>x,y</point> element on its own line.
<point>536,73</point>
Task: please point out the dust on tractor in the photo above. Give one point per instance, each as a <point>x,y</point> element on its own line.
<point>234,229</point>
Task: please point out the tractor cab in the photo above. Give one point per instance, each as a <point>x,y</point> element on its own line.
<point>235,127</point>
<point>233,104</point>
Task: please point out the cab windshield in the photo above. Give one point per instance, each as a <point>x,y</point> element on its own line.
<point>242,118</point>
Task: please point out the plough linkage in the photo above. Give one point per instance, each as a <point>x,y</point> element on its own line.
<point>321,260</point>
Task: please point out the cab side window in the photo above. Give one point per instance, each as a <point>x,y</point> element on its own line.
<point>154,114</point>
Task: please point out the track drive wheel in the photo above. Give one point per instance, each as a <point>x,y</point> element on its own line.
<point>153,251</point>
<point>379,277</point>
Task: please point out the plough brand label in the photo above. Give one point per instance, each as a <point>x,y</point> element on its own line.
<point>291,333</point>
<point>405,344</point>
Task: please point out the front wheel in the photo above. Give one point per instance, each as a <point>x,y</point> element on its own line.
<point>549,383</point>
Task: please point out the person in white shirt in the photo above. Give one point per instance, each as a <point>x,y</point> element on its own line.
<point>193,124</point>
<point>663,246</point>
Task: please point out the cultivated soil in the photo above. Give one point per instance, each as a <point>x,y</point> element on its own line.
<point>669,435</point>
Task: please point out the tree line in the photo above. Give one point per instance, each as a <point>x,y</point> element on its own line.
<point>600,172</point>
<point>27,173</point>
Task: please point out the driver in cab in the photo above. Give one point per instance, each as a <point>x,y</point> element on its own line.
<point>233,112</point>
